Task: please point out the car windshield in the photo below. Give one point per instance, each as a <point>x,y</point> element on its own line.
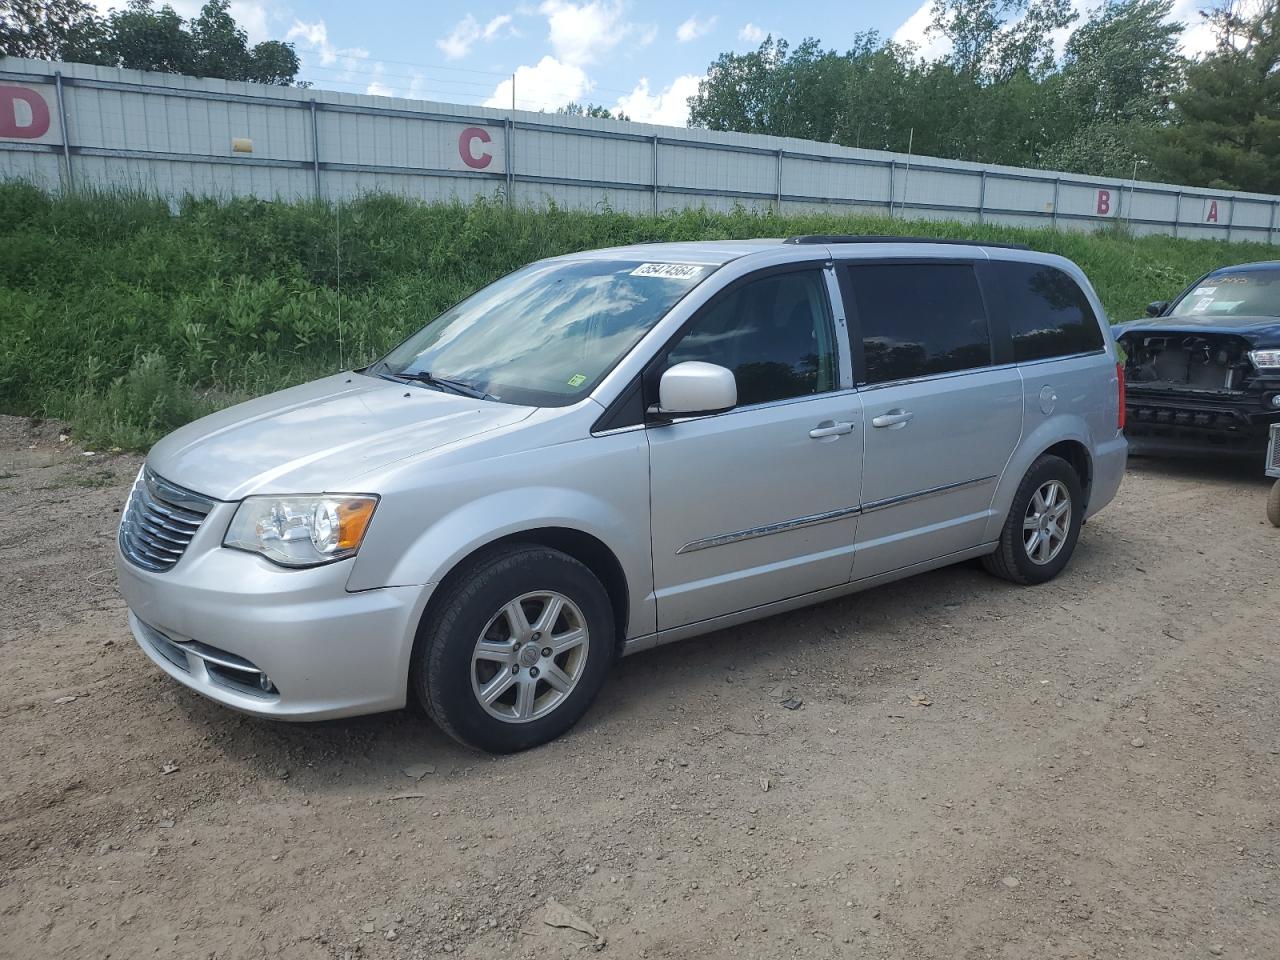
<point>544,335</point>
<point>1255,293</point>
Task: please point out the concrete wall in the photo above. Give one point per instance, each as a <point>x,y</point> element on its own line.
<point>70,126</point>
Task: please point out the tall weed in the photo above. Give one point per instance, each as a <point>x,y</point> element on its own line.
<point>129,318</point>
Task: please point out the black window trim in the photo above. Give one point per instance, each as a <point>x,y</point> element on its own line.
<point>818,265</point>
<point>999,337</point>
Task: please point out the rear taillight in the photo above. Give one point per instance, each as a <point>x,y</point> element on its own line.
<point>1120,394</point>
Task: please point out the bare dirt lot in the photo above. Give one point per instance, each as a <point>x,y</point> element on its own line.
<point>1085,769</point>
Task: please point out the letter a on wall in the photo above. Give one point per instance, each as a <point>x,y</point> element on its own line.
<point>1104,203</point>
<point>23,113</point>
<point>1212,215</point>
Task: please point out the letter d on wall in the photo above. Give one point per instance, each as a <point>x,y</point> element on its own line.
<point>467,148</point>
<point>18,127</point>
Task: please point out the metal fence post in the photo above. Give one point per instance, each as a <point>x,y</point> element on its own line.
<point>1271,224</point>
<point>893,176</point>
<point>508,135</point>
<point>1057,184</point>
<point>655,174</point>
<point>1231,215</point>
<point>62,125</point>
<point>1177,213</point>
<point>982,198</point>
<point>779,184</point>
<point>315,147</point>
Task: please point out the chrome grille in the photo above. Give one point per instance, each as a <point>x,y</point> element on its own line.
<point>1273,455</point>
<point>159,521</point>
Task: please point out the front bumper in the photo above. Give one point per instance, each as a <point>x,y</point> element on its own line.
<point>327,652</point>
<point>1170,423</point>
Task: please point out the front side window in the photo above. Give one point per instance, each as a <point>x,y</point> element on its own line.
<point>774,333</point>
<point>1251,293</point>
<point>919,319</point>
<point>1047,312</point>
<point>544,335</point>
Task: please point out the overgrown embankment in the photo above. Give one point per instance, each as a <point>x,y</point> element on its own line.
<point>128,320</point>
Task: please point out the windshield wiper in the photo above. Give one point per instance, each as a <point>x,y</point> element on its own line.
<point>443,383</point>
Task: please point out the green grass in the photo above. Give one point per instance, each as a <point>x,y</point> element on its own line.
<point>127,319</point>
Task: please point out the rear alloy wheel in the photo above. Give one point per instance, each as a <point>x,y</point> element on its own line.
<point>1043,525</point>
<point>516,648</point>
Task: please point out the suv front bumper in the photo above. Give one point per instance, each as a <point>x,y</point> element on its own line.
<point>221,620</point>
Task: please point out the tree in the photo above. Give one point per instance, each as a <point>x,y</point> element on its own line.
<point>590,110</point>
<point>143,37</point>
<point>995,40</point>
<point>1227,129</point>
<point>51,30</point>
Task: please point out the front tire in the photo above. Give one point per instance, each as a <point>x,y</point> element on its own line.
<point>1273,505</point>
<point>516,650</point>
<point>1043,525</point>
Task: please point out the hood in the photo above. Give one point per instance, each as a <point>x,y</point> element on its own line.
<point>1259,331</point>
<point>320,437</point>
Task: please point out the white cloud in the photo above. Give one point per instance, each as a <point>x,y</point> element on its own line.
<point>468,31</point>
<point>693,28</point>
<point>583,33</point>
<point>752,34</point>
<point>546,86</point>
<point>1198,39</point>
<point>313,38</point>
<point>253,17</point>
<point>915,31</point>
<point>670,107</point>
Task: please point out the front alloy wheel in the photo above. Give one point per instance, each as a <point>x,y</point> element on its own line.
<point>529,657</point>
<point>514,648</point>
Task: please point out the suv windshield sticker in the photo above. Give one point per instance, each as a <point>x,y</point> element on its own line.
<point>670,271</point>
<point>1202,291</point>
<point>577,380</point>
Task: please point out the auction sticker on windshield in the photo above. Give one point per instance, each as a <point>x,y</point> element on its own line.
<point>669,271</point>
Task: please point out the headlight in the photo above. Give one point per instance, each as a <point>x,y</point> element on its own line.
<point>1265,359</point>
<point>301,531</point>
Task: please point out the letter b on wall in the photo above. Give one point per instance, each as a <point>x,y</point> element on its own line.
<point>23,113</point>
<point>1104,203</point>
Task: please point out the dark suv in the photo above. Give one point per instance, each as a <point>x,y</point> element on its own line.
<point>1203,374</point>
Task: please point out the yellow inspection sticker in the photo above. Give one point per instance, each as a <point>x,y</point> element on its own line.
<point>577,380</point>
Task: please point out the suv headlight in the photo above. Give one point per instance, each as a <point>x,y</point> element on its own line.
<point>302,531</point>
<point>1265,359</point>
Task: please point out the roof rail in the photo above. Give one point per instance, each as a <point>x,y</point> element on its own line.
<point>855,238</point>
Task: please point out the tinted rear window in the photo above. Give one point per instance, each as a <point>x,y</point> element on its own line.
<point>1047,312</point>
<point>919,319</point>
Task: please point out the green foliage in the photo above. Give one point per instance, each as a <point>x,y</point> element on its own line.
<point>997,97</point>
<point>129,320</point>
<point>142,37</point>
<point>1227,132</point>
<point>591,110</point>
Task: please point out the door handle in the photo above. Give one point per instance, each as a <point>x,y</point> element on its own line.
<point>831,428</point>
<point>894,418</point>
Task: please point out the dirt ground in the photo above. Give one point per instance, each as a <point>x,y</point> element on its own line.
<point>1085,769</point>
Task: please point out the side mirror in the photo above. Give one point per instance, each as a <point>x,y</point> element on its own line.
<point>1157,307</point>
<point>694,387</point>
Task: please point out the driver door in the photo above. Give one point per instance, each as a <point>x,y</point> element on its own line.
<point>758,503</point>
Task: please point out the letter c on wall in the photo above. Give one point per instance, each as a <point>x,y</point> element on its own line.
<point>9,125</point>
<point>466,148</point>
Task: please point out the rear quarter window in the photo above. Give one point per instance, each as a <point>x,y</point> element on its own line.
<point>1047,313</point>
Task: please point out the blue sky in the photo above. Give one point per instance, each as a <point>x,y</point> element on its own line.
<point>643,56</point>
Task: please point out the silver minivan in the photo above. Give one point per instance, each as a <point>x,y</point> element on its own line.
<point>611,450</point>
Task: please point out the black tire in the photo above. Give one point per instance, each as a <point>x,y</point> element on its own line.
<point>1273,504</point>
<point>1011,560</point>
<point>442,670</point>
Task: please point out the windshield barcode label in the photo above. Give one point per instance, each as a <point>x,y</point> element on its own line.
<point>669,271</point>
